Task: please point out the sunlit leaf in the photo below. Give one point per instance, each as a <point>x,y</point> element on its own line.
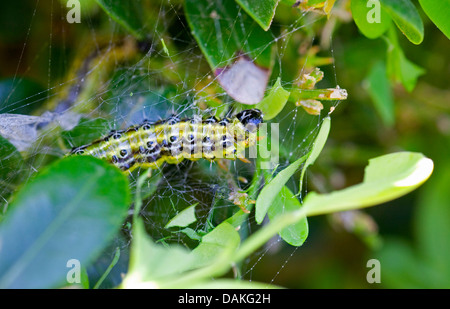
<point>386,178</point>
<point>370,18</point>
<point>438,12</point>
<point>184,218</point>
<point>406,17</point>
<point>274,102</point>
<point>222,237</point>
<point>152,263</point>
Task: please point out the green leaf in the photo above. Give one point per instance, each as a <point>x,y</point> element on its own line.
<point>406,17</point>
<point>438,12</point>
<point>210,24</point>
<point>85,132</point>
<point>237,49</point>
<point>223,238</point>
<point>261,11</point>
<point>317,147</point>
<point>386,178</point>
<point>71,210</point>
<point>184,218</point>
<point>370,18</point>
<point>274,102</point>
<point>380,91</point>
<point>399,68</point>
<point>286,201</point>
<point>127,13</point>
<point>150,263</point>
<point>270,191</point>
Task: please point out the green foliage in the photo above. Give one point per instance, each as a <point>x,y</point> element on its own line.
<point>274,102</point>
<point>372,30</point>
<point>406,17</point>
<point>127,13</point>
<point>437,11</point>
<point>74,207</point>
<point>380,91</point>
<point>225,43</point>
<point>66,212</point>
<point>386,178</point>
<point>261,11</point>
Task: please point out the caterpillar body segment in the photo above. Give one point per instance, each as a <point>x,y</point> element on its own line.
<point>173,140</point>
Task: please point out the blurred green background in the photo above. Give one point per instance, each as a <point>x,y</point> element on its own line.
<point>410,236</point>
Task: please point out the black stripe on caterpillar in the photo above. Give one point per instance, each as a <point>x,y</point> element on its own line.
<point>173,140</point>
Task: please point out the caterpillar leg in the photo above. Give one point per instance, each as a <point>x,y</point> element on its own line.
<point>223,165</point>
<point>245,160</point>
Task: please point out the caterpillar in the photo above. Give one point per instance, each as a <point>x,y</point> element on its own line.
<point>173,140</point>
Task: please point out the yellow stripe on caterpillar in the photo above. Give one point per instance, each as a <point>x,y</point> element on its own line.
<point>173,140</point>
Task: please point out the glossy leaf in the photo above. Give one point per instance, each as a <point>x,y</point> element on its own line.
<point>261,11</point>
<point>71,210</point>
<point>406,17</point>
<point>439,13</point>
<point>241,55</point>
<point>127,13</point>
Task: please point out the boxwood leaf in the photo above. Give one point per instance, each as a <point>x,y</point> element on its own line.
<point>235,46</point>
<point>261,11</point>
<point>371,20</point>
<point>286,201</point>
<point>386,178</point>
<point>127,13</point>
<point>274,102</point>
<point>70,210</point>
<point>406,17</point>
<point>438,12</point>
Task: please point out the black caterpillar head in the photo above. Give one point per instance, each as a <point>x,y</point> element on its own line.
<point>250,118</point>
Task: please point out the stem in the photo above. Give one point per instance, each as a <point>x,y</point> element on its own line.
<point>108,270</point>
<point>330,94</point>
